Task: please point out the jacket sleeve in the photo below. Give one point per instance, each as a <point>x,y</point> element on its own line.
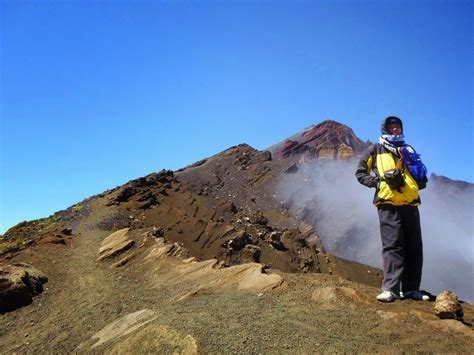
<point>364,168</point>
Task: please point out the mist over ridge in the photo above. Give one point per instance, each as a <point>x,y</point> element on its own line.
<point>326,194</point>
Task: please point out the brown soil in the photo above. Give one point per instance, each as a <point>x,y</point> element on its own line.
<point>224,213</point>
<point>309,312</point>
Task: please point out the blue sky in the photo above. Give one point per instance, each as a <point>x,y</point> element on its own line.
<point>95,93</point>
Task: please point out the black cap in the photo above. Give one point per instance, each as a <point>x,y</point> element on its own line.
<point>388,121</point>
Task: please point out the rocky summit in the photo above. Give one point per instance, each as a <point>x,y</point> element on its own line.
<point>208,258</point>
<point>327,140</point>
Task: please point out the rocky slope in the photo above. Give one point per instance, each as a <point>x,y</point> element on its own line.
<point>207,258</point>
<point>223,207</point>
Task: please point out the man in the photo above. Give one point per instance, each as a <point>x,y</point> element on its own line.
<point>396,198</point>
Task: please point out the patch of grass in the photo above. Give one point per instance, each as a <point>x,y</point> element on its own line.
<point>6,246</point>
<point>48,226</point>
<point>17,227</point>
<point>38,227</point>
<point>77,208</point>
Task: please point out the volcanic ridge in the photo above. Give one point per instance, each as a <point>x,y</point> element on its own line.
<point>208,258</point>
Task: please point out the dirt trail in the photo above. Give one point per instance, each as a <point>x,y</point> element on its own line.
<point>314,312</point>
<point>81,297</point>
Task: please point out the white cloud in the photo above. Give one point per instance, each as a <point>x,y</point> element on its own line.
<point>328,196</point>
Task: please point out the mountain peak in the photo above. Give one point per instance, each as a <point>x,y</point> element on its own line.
<point>330,123</point>
<point>327,140</point>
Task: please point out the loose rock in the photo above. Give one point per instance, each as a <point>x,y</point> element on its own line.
<point>447,306</point>
<point>18,284</point>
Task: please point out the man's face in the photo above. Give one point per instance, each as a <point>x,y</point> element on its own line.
<point>394,129</point>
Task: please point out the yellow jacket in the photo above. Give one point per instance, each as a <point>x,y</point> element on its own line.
<point>377,159</point>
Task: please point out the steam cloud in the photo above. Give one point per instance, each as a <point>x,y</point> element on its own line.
<point>327,195</point>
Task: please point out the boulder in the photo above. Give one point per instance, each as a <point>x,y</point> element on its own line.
<point>259,218</point>
<point>250,253</point>
<point>149,200</point>
<point>275,241</point>
<point>157,232</point>
<point>447,306</point>
<point>125,194</point>
<point>66,231</point>
<point>18,284</point>
<point>115,244</point>
<point>240,240</point>
<point>165,175</point>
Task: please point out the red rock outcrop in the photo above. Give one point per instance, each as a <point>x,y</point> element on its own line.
<point>327,140</point>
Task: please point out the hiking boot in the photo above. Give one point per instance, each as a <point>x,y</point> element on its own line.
<point>387,296</point>
<point>415,295</point>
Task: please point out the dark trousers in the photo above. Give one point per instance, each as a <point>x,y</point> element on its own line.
<point>402,248</point>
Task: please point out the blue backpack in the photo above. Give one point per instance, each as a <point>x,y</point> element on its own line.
<point>413,162</point>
